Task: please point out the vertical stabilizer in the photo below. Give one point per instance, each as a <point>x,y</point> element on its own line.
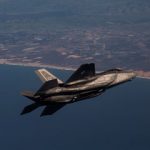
<point>45,76</point>
<point>85,70</point>
<point>47,85</point>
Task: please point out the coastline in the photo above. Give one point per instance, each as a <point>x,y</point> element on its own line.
<point>39,65</point>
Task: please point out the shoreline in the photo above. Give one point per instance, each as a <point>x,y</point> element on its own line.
<point>39,65</point>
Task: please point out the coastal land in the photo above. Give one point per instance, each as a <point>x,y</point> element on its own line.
<point>68,34</point>
<point>67,49</point>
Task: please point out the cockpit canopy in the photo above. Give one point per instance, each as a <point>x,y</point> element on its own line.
<point>116,69</point>
<point>112,71</point>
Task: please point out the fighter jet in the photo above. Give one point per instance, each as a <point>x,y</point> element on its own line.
<point>83,84</point>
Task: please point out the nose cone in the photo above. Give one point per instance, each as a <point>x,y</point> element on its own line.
<point>131,75</point>
<point>124,77</point>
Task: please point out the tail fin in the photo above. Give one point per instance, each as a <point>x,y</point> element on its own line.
<point>47,85</point>
<point>36,96</point>
<point>45,76</point>
<point>83,71</point>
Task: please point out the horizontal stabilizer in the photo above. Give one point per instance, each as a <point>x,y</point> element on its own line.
<point>29,95</point>
<point>45,76</point>
<point>85,70</point>
<point>47,85</point>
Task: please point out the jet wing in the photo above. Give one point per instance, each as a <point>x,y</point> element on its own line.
<point>52,108</point>
<point>45,75</point>
<point>49,109</point>
<point>30,108</point>
<point>85,70</point>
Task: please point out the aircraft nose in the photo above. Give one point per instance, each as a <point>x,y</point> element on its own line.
<point>132,75</point>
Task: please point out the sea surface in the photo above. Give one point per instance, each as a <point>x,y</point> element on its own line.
<point>117,120</point>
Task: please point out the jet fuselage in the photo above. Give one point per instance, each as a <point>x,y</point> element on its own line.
<point>87,87</point>
<point>84,83</point>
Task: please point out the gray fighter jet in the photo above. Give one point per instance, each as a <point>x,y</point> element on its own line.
<point>84,83</point>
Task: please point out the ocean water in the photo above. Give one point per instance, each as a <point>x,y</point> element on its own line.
<point>117,120</point>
